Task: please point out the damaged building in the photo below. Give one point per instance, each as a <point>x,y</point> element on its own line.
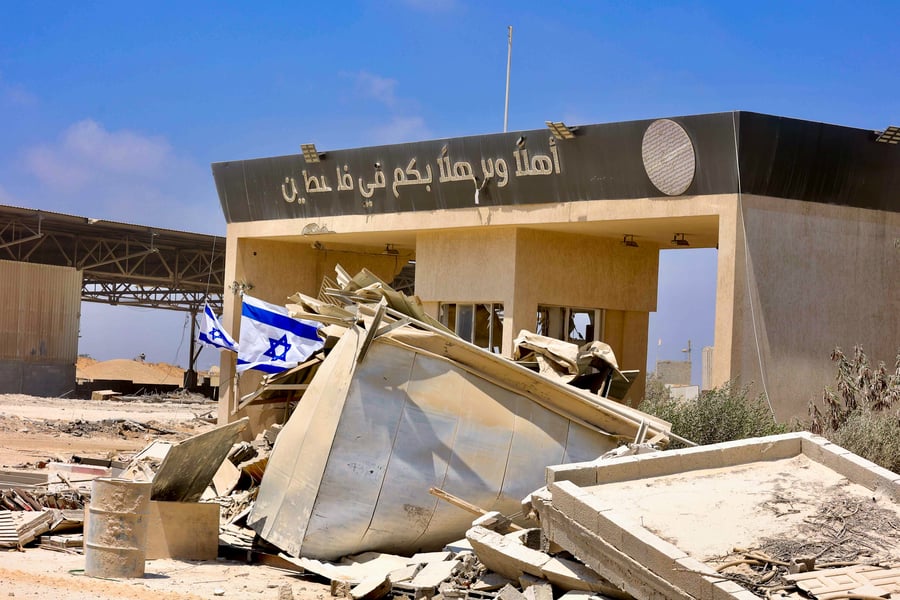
<point>558,231</point>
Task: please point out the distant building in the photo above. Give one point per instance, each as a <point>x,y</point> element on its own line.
<point>673,372</point>
<point>706,368</point>
<point>684,392</point>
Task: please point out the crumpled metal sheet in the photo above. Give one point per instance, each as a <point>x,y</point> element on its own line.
<point>351,470</point>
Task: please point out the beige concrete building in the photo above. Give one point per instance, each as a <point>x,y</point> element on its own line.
<point>673,372</point>
<point>559,231</point>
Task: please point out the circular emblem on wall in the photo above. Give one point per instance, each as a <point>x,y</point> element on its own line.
<point>668,157</point>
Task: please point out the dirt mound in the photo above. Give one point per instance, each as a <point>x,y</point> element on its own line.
<point>131,370</point>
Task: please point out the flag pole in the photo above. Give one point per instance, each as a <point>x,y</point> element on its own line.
<point>190,376</point>
<point>508,62</point>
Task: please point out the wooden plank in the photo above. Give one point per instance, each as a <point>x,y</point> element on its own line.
<point>10,478</point>
<point>846,579</point>
<point>9,534</point>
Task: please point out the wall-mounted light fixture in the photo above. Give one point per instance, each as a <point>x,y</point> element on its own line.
<point>310,154</point>
<point>520,142</point>
<point>239,287</point>
<point>628,241</point>
<point>678,240</point>
<point>561,131</point>
<point>314,229</point>
<point>891,135</point>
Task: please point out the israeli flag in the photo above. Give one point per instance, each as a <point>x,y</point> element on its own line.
<point>271,341</point>
<point>212,333</point>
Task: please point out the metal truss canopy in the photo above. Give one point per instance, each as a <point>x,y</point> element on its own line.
<point>121,264</point>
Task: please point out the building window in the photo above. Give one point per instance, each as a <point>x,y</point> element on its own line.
<point>480,324</point>
<point>576,325</point>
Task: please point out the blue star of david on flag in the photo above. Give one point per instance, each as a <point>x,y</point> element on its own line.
<point>273,353</point>
<point>212,333</point>
<point>271,340</point>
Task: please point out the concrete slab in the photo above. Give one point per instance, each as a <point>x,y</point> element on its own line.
<point>421,558</point>
<point>433,574</point>
<point>626,576</point>
<point>371,588</point>
<point>504,554</point>
<point>677,514</point>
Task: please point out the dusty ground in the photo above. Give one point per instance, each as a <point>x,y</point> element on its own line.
<point>35,430</point>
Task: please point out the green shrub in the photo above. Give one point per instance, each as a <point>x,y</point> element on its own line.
<point>718,415</point>
<point>873,435</point>
<point>862,412</point>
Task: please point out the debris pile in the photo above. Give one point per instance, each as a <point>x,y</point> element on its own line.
<point>398,434</point>
<point>395,405</point>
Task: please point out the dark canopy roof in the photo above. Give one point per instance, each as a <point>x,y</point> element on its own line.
<point>121,263</point>
<point>682,156</point>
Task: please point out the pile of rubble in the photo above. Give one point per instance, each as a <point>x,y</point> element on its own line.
<point>401,434</point>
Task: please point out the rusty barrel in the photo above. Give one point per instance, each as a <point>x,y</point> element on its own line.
<point>115,540</point>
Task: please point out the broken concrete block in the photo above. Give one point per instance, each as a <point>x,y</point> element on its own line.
<point>432,574</point>
<point>489,582</point>
<point>541,590</point>
<point>352,569</point>
<point>285,592</point>
<point>226,478</point>
<point>458,546</point>
<point>372,588</point>
<point>508,592</point>
<point>530,538</point>
<point>340,588</point>
<point>407,590</point>
<point>492,520</point>
<point>623,573</point>
<point>429,557</point>
<point>583,595</point>
<point>403,573</point>
<point>504,555</point>
<point>572,575</point>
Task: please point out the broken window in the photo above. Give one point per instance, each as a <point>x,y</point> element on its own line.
<point>575,325</point>
<point>480,324</point>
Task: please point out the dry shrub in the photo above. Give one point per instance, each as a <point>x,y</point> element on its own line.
<point>719,415</point>
<point>862,412</point>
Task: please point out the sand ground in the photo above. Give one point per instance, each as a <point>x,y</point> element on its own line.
<point>34,430</point>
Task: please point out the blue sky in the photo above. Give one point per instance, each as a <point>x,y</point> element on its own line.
<point>115,110</point>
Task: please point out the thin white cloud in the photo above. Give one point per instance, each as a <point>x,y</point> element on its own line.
<point>377,87</point>
<point>86,151</point>
<point>120,175</point>
<point>401,123</point>
<point>17,95</point>
<point>401,129</point>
